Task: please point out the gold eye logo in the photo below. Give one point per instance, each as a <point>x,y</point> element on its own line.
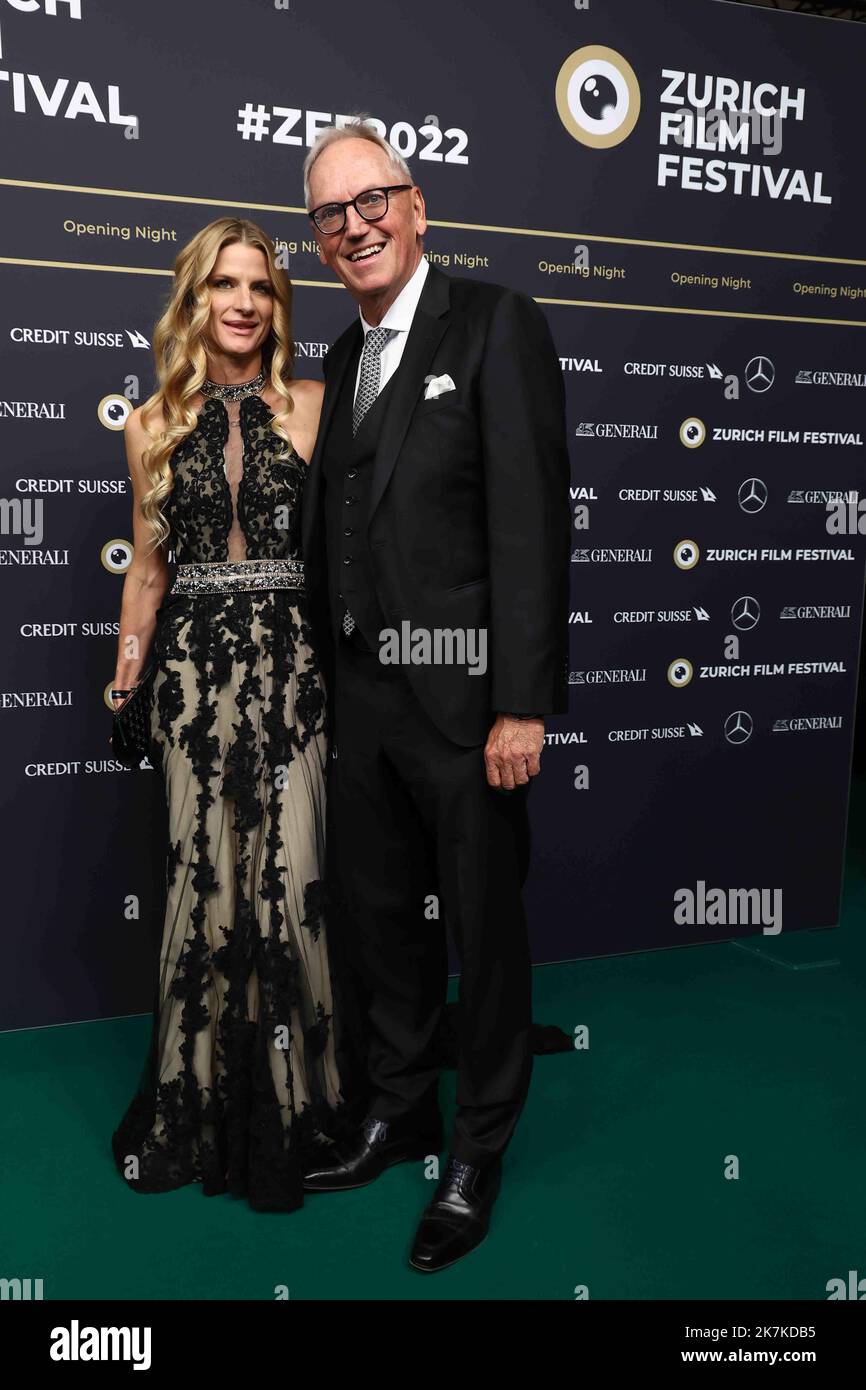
<point>680,672</point>
<point>114,411</point>
<point>598,96</point>
<point>693,432</point>
<point>686,554</point>
<point>116,556</point>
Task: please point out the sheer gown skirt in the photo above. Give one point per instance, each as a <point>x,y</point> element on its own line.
<point>242,1079</point>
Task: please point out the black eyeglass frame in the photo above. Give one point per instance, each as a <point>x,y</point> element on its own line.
<point>353,203</point>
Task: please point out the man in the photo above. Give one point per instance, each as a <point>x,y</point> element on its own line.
<point>436,536</point>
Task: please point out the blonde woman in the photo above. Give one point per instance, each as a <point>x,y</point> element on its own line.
<point>242,1077</point>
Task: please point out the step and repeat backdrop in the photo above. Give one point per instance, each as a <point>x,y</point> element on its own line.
<point>678,183</point>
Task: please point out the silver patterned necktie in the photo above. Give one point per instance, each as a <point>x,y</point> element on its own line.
<point>368,390</point>
<point>368,381</point>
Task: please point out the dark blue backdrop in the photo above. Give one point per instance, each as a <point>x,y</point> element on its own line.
<point>685,760</point>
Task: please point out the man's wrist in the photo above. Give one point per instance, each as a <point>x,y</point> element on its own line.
<point>506,714</point>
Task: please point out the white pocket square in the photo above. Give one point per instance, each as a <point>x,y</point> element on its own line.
<point>437,386</point>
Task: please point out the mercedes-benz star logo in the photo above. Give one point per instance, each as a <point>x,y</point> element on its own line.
<point>752,495</point>
<point>739,726</point>
<point>760,374</point>
<point>745,613</point>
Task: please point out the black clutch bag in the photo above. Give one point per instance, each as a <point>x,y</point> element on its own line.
<point>130,735</point>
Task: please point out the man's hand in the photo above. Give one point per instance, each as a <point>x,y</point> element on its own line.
<point>512,753</point>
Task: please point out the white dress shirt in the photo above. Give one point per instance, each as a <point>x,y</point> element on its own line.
<point>399,318</point>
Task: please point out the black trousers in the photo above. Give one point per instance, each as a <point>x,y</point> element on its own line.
<point>421,840</point>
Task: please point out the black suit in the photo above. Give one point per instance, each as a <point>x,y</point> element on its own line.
<point>465,525</point>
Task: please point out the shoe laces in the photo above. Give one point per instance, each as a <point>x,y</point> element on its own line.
<point>461,1173</point>
<point>374,1129</point>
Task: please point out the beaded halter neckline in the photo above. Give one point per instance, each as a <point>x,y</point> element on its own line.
<point>233,391</point>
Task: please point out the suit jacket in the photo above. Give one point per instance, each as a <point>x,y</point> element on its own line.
<point>469,522</point>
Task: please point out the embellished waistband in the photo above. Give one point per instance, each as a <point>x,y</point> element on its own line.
<point>238,576</point>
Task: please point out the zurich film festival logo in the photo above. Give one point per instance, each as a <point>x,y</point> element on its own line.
<point>116,555</point>
<point>113,411</point>
<point>598,97</point>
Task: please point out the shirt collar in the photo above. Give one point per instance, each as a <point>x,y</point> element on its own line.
<point>401,313</point>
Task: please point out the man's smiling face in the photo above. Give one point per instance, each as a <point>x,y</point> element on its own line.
<point>374,260</point>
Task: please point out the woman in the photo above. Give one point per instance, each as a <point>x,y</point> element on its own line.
<point>242,1081</point>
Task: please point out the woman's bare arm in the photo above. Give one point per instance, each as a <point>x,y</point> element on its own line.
<point>146,580</point>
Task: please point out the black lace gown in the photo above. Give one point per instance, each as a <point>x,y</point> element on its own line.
<point>242,1078</point>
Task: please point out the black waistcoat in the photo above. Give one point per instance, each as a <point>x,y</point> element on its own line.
<point>347,472</point>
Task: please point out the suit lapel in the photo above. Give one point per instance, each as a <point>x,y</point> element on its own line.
<point>428,328</point>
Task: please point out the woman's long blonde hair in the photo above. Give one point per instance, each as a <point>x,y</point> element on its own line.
<point>180,346</point>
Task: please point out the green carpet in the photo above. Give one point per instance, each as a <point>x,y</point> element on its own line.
<point>614,1180</point>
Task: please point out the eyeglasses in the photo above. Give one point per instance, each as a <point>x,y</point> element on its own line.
<point>372,205</point>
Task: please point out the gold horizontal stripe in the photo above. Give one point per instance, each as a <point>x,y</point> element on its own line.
<point>458,226</point>
<point>539,299</point>
<point>708,313</point>
<point>663,245</point>
<point>152,197</point>
<point>134,270</point>
<point>84,265</point>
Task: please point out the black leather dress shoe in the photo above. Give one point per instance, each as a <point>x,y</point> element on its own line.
<point>458,1217</point>
<point>379,1145</point>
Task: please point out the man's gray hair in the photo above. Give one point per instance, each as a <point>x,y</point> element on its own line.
<point>358,129</point>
